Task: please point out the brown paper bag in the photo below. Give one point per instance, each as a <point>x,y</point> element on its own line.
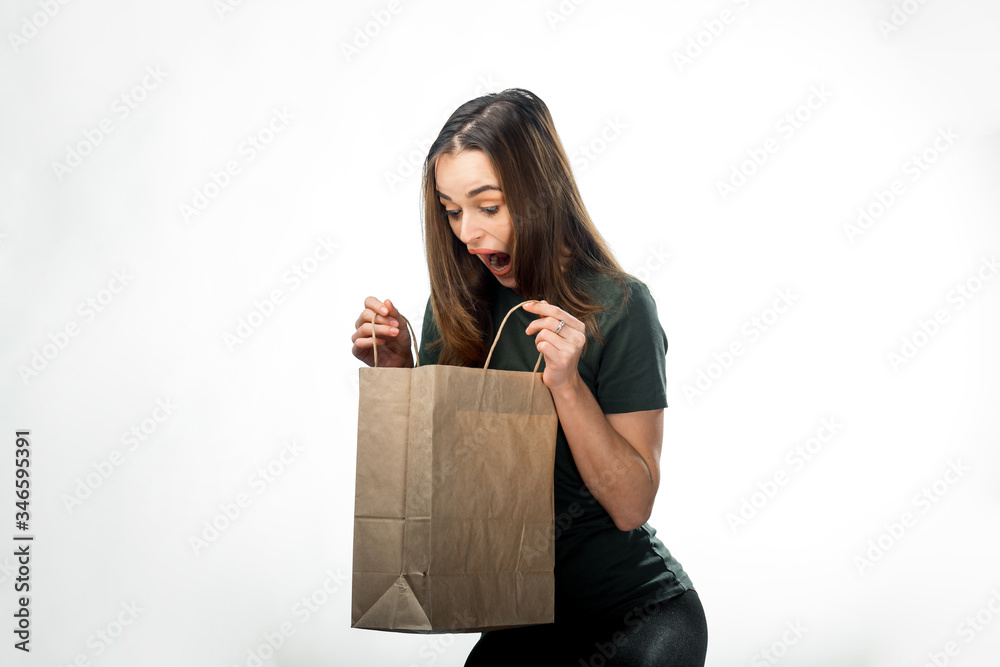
<point>454,486</point>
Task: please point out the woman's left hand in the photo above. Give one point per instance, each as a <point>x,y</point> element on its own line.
<point>561,349</point>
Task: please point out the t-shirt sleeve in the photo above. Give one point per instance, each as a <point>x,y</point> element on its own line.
<point>428,334</point>
<point>632,374</point>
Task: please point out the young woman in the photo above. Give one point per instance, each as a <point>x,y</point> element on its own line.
<point>504,223</point>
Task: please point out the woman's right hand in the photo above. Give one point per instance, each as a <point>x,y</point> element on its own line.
<point>391,332</point>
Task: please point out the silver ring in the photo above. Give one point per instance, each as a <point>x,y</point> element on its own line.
<point>562,323</point>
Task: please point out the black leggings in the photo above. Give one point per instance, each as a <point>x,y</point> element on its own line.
<point>672,633</point>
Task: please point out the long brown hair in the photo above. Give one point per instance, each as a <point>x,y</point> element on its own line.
<point>514,129</point>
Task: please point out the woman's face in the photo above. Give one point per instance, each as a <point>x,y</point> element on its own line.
<point>476,210</point>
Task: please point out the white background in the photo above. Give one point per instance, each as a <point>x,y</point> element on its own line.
<point>651,136</point>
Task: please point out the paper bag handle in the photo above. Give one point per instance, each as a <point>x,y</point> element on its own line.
<point>495,340</point>
<point>413,338</point>
<point>489,356</point>
<point>482,376</point>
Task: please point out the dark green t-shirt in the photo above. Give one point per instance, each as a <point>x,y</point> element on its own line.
<point>599,569</point>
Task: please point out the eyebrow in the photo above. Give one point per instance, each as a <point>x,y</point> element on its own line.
<point>470,193</point>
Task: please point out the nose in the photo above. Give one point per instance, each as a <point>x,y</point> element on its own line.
<point>468,229</point>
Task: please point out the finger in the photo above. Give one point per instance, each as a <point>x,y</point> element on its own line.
<point>394,316</point>
<point>561,314</point>
<point>551,324</point>
<point>374,307</point>
<point>573,322</point>
<point>382,331</point>
<point>547,309</point>
<point>548,336</point>
<point>542,323</point>
<point>382,309</point>
<point>393,311</point>
<point>366,318</point>
<point>367,343</point>
<point>371,308</point>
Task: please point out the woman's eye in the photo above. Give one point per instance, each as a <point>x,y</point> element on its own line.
<point>488,210</point>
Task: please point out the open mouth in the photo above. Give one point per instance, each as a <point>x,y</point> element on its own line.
<point>499,263</point>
